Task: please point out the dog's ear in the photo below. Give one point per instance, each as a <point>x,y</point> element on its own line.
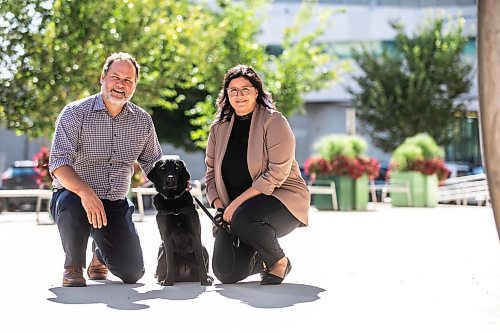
<point>185,170</point>
<point>152,175</point>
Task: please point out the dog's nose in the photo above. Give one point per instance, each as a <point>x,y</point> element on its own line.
<point>170,181</point>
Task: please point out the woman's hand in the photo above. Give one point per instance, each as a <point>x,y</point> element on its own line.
<point>249,193</point>
<point>217,204</point>
<point>229,211</point>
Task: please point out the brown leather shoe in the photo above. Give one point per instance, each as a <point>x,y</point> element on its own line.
<point>96,269</point>
<point>73,277</point>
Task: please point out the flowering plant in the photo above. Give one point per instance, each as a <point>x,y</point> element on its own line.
<point>420,153</point>
<point>342,166</point>
<point>41,166</point>
<point>316,165</point>
<point>341,155</point>
<point>427,167</point>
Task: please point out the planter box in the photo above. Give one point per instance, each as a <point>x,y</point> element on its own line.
<point>423,189</point>
<point>351,194</point>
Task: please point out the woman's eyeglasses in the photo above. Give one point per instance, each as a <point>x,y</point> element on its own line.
<point>233,92</point>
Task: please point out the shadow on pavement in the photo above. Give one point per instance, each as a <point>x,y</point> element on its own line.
<point>279,296</point>
<point>120,296</point>
<point>117,295</point>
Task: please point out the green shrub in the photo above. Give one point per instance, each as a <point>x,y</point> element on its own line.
<point>416,148</point>
<point>420,153</point>
<point>429,147</point>
<point>331,146</point>
<point>341,155</point>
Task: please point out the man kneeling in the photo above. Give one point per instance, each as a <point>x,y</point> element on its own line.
<point>96,141</point>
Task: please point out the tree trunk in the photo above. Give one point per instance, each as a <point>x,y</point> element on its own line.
<point>488,42</point>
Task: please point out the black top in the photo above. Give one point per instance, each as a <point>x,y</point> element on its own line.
<point>235,172</point>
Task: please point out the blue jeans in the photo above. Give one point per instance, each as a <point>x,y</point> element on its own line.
<point>117,244</point>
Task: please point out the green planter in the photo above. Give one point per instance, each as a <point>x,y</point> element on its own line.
<point>352,194</point>
<point>423,189</point>
<point>322,201</point>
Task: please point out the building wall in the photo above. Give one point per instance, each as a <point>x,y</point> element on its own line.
<point>195,161</point>
<point>324,119</point>
<point>17,147</point>
<point>321,119</point>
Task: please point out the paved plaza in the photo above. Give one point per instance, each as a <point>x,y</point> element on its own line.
<point>383,270</point>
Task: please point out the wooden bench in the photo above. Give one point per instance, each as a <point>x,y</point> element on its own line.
<point>140,191</point>
<point>461,189</point>
<point>39,194</point>
<point>392,186</point>
<point>325,189</point>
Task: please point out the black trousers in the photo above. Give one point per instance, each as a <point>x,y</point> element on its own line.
<point>258,223</point>
<point>117,244</point>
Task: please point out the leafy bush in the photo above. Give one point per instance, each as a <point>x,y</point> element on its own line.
<point>341,155</point>
<point>334,145</point>
<point>420,153</point>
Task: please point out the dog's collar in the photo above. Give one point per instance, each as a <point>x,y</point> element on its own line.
<point>184,210</point>
<point>174,197</point>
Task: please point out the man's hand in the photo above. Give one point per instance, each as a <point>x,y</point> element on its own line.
<point>94,208</point>
<point>90,201</point>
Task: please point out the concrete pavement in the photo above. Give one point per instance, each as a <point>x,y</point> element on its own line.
<point>383,270</point>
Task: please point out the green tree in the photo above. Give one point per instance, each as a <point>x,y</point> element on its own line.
<point>303,65</point>
<point>52,53</point>
<point>414,86</point>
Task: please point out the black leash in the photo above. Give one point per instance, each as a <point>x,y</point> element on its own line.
<point>218,221</point>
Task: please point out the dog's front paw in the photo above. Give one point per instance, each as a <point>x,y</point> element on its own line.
<point>208,282</point>
<point>166,283</point>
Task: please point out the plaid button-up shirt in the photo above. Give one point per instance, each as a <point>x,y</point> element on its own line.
<point>101,148</point>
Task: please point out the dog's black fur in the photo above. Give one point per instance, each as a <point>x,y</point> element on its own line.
<point>181,257</point>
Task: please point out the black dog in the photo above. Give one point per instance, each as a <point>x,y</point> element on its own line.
<point>181,257</point>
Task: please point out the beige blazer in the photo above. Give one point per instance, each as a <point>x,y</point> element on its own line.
<point>271,161</point>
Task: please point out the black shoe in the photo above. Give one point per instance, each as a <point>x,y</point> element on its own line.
<point>271,279</point>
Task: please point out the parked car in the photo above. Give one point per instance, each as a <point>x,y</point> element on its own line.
<point>19,175</point>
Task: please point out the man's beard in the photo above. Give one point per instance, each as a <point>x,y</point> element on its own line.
<point>113,99</point>
<point>116,100</point>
